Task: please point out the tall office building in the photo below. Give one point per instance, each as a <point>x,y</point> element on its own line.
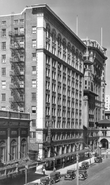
<point>42,73</point>
<point>94,89</point>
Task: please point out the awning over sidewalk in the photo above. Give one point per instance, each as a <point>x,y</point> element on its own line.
<point>66,155</point>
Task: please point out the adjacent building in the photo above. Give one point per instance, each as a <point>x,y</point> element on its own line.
<point>94,90</point>
<point>14,142</point>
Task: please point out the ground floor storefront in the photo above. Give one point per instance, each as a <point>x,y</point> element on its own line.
<point>63,160</point>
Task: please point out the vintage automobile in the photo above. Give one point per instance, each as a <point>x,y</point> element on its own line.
<point>85,165</point>
<point>45,180</point>
<point>70,175</point>
<point>82,168</point>
<point>83,174</point>
<point>55,177</point>
<point>98,159</point>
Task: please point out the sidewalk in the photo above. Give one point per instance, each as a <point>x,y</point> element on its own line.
<point>64,170</point>
<point>73,166</point>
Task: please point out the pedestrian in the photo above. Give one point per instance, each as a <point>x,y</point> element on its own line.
<point>54,169</point>
<point>43,170</point>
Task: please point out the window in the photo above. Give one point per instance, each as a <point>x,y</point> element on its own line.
<point>33,70</point>
<point>2,151</point>
<point>16,30</point>
<point>3,33</point>
<point>3,45</point>
<point>47,36</point>
<point>3,84</point>
<point>33,29</point>
<point>3,97</point>
<point>33,96</point>
<point>23,148</point>
<point>21,43</point>
<point>3,59</point>
<point>21,30</point>
<point>22,58</point>
<point>34,43</point>
<point>34,123</point>
<point>33,109</point>
<point>3,22</point>
<point>33,56</point>
<point>13,154</point>
<point>15,21</point>
<point>21,20</point>
<point>34,83</point>
<point>3,108</point>
<point>32,134</point>
<point>22,84</point>
<point>3,71</point>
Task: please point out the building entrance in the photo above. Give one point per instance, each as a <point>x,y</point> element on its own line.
<point>104,143</point>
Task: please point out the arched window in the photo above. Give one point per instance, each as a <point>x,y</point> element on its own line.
<point>48,37</point>
<point>73,55</point>
<point>2,151</point>
<point>48,31</point>
<point>13,150</point>
<point>53,41</point>
<point>59,45</point>
<point>23,148</point>
<point>64,49</point>
<point>69,54</point>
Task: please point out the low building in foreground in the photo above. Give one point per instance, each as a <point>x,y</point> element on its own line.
<point>14,142</point>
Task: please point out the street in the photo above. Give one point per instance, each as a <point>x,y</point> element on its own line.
<point>98,174</point>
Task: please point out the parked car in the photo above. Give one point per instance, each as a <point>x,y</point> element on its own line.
<point>70,175</point>
<point>45,180</point>
<point>83,174</point>
<point>55,177</point>
<point>98,159</point>
<point>84,166</point>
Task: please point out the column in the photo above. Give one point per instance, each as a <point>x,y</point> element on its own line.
<point>8,145</point>
<point>19,143</point>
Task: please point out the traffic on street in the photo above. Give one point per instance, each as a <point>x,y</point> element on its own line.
<point>98,174</point>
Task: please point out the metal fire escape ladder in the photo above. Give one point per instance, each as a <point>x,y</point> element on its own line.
<point>17,75</point>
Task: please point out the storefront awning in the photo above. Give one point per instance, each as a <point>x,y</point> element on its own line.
<point>66,155</point>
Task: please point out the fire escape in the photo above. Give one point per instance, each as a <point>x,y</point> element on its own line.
<point>17,61</point>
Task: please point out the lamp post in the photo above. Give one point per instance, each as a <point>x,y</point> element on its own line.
<point>77,163</point>
<point>26,169</point>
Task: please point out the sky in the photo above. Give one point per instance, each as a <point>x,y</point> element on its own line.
<point>92,16</point>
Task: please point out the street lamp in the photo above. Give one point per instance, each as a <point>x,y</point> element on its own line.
<point>77,163</point>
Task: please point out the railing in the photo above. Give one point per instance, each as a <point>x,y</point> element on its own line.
<point>10,114</point>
